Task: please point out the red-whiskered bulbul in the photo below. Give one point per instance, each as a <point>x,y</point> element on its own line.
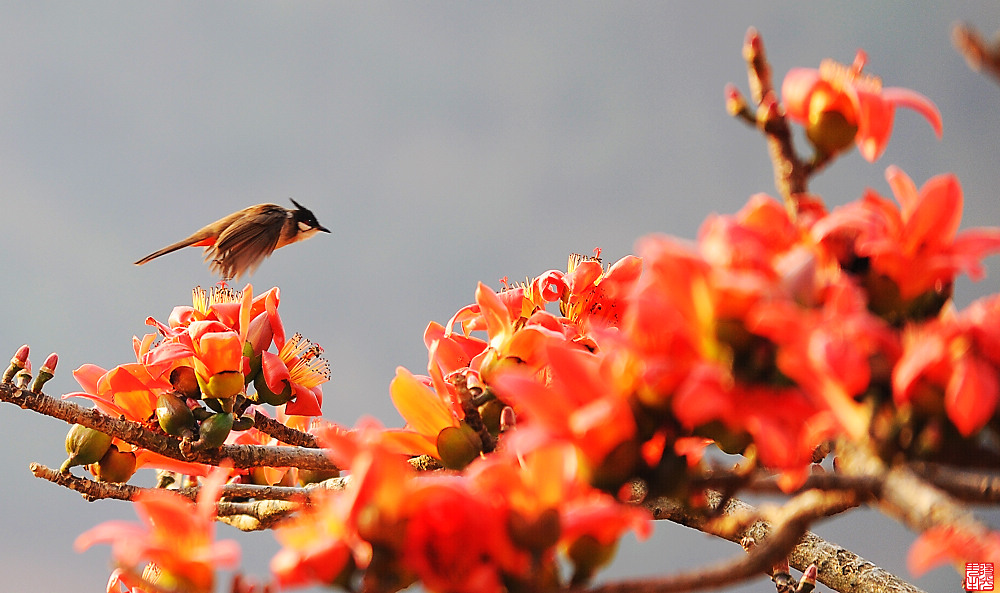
<point>238,243</point>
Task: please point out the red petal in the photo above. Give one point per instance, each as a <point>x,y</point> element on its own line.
<point>797,89</point>
<point>917,102</point>
<point>972,393</point>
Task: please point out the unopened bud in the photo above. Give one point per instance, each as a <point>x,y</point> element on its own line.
<point>116,466</point>
<point>184,381</point>
<point>18,362</point>
<point>46,372</point>
<point>458,445</point>
<point>769,111</point>
<point>22,378</point>
<point>751,42</point>
<point>84,446</point>
<point>735,103</point>
<point>213,431</point>
<point>507,419</point>
<point>808,581</point>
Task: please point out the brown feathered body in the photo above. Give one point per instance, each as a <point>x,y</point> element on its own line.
<point>237,244</point>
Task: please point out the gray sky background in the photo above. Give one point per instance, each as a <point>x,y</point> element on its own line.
<point>444,143</point>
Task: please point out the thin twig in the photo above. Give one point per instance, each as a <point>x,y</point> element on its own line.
<point>285,434</point>
<point>790,173</point>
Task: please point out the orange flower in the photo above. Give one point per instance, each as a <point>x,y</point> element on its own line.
<point>314,543</point>
<point>594,296</point>
<point>916,245</point>
<point>454,541</point>
<point>947,363</point>
<point>942,544</point>
<point>584,401</point>
<point>425,411</point>
<point>839,104</point>
<point>176,535</point>
<point>128,390</point>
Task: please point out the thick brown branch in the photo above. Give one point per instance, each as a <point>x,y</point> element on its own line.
<point>773,545</point>
<point>241,456</point>
<point>257,515</point>
<point>908,498</point>
<point>966,485</point>
<point>765,483</point>
<point>839,569</point>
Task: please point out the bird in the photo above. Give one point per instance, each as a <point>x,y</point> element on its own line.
<point>238,243</point>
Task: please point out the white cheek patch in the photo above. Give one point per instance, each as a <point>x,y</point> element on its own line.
<point>305,231</point>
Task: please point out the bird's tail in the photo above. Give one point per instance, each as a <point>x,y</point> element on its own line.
<point>193,240</point>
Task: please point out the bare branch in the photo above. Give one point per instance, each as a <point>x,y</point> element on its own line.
<point>838,568</point>
<point>905,496</point>
<point>283,433</point>
<point>790,173</point>
<point>790,524</point>
<point>966,485</point>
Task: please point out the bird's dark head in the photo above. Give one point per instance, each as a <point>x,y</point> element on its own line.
<point>307,220</point>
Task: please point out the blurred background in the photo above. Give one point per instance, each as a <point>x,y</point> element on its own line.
<point>444,144</point>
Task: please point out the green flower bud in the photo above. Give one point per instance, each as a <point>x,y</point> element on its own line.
<point>458,446</point>
<point>213,431</point>
<point>84,445</point>
<point>830,132</point>
<point>116,466</point>
<point>264,395</point>
<point>174,416</point>
<point>185,382</point>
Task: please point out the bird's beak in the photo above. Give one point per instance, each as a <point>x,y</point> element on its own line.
<point>323,228</point>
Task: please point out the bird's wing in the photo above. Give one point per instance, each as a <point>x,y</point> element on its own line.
<point>246,242</point>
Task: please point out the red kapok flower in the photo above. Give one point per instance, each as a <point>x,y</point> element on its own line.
<point>175,534</point>
<point>455,541</point>
<point>840,104</point>
<point>917,244</point>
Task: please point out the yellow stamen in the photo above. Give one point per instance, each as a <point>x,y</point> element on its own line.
<point>839,75</point>
<point>305,365</point>
<point>203,300</point>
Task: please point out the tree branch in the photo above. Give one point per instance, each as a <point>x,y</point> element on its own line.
<point>285,434</point>
<point>966,485</point>
<point>838,568</point>
<point>791,523</point>
<point>134,433</point>
<point>911,500</point>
